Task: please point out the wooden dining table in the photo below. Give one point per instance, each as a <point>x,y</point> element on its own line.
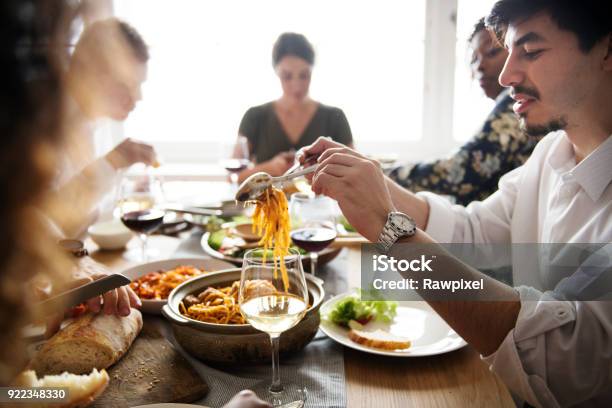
<point>455,379</point>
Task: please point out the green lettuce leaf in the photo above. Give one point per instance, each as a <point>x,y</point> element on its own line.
<point>362,311</point>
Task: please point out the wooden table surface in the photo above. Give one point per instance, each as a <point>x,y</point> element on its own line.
<point>456,379</point>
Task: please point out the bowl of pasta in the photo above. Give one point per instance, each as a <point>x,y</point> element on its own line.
<point>153,281</point>
<point>206,320</point>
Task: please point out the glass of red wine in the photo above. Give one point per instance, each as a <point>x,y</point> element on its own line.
<point>313,224</point>
<point>139,196</point>
<point>238,161</point>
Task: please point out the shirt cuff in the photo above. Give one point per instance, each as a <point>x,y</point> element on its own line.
<point>540,312</point>
<point>441,222</point>
<point>506,363</point>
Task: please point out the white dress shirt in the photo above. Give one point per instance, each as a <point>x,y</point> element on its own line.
<point>560,351</point>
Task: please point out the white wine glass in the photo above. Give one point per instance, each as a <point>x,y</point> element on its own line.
<point>273,298</point>
<point>313,224</point>
<point>139,197</point>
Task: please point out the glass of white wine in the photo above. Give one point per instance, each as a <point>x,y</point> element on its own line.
<point>273,298</point>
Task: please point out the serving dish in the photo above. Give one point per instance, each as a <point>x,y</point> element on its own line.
<point>325,255</point>
<point>416,320</point>
<point>228,209</point>
<point>153,306</point>
<point>236,343</point>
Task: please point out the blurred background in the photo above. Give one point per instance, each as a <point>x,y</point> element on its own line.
<point>399,70</point>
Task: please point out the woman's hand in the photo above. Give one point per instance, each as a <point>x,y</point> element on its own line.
<point>279,164</point>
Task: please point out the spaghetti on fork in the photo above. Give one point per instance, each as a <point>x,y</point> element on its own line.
<point>271,222</point>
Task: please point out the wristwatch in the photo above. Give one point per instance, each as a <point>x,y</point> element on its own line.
<point>74,247</point>
<point>398,225</point>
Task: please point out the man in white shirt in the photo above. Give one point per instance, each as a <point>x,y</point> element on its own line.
<point>548,350</point>
<point>104,80</point>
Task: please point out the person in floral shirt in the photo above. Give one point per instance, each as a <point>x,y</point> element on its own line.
<point>472,173</point>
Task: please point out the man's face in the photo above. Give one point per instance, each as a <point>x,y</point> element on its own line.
<point>549,76</point>
<point>120,90</point>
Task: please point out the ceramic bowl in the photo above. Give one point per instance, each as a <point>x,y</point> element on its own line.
<point>237,343</point>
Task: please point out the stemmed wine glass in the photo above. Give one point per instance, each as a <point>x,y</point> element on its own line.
<point>138,197</point>
<point>273,305</point>
<point>238,160</point>
<point>313,223</point>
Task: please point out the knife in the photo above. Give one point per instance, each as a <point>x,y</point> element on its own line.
<point>80,294</point>
<point>194,211</point>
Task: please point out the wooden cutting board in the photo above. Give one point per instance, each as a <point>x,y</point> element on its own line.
<point>151,372</point>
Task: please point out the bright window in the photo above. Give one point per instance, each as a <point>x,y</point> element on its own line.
<point>210,61</point>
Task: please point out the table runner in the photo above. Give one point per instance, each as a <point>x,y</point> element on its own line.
<point>320,366</point>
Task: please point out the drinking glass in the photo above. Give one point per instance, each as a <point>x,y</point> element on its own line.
<point>313,224</point>
<point>274,304</point>
<point>138,198</point>
<point>235,159</point>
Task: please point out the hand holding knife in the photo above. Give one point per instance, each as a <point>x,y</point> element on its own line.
<point>78,295</point>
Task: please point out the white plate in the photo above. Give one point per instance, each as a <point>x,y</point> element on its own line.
<point>417,321</point>
<point>154,306</point>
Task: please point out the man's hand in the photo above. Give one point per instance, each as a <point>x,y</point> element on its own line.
<point>356,182</point>
<point>129,152</point>
<point>117,301</point>
<point>246,399</point>
<point>401,199</point>
<point>318,147</point>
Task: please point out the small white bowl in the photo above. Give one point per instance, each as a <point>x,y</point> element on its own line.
<point>110,234</point>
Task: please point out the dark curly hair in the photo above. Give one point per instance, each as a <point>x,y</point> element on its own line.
<point>478,27</point>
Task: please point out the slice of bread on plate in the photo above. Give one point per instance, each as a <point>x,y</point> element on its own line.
<point>90,341</point>
<point>379,339</point>
<point>82,389</point>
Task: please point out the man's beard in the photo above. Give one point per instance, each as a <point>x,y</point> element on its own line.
<point>559,123</point>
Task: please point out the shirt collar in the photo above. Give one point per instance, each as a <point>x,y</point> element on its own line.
<point>593,173</point>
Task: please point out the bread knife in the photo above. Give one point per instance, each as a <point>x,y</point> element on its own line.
<point>80,294</point>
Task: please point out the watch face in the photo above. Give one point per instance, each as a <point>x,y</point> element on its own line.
<point>403,223</point>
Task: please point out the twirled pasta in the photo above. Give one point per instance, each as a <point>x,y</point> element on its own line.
<point>271,222</point>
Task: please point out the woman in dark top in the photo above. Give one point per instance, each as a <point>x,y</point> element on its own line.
<point>275,130</point>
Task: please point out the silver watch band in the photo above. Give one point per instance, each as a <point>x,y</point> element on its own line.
<point>391,233</point>
<point>386,239</point>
